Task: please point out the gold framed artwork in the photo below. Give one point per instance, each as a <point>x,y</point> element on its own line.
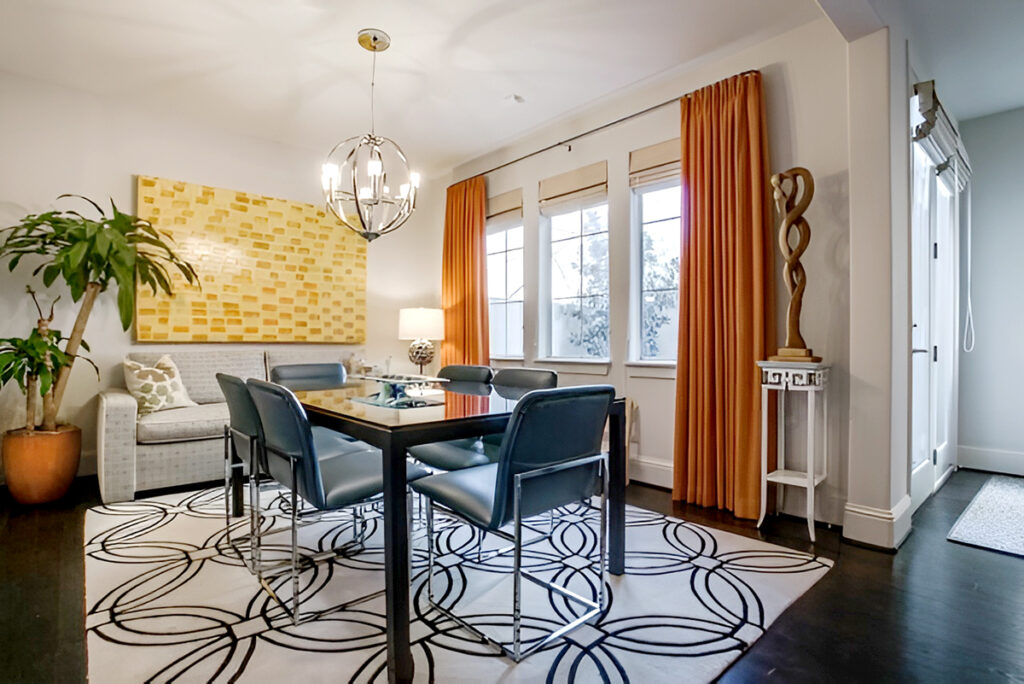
<point>271,270</point>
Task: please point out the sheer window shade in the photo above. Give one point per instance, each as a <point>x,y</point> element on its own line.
<point>938,135</point>
<point>654,163</point>
<point>574,189</point>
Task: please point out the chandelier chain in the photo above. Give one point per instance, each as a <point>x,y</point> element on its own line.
<point>373,78</point>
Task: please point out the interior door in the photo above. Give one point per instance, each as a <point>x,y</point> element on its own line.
<point>943,329</point>
<point>922,474</point>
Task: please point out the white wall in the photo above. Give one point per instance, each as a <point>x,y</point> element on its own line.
<point>991,425</point>
<point>57,140</point>
<point>805,87</point>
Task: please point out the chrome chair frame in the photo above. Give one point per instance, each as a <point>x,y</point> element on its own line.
<point>517,653</point>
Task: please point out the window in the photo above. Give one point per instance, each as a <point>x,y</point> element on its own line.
<point>505,288</point>
<point>656,268</point>
<point>578,283</point>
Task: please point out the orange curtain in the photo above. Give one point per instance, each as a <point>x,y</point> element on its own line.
<point>725,296</point>
<point>464,275</point>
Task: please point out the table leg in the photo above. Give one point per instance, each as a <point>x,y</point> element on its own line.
<point>811,417</point>
<point>780,447</point>
<point>617,488</point>
<point>396,563</point>
<point>764,454</point>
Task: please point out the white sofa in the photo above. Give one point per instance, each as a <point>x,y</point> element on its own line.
<point>183,445</point>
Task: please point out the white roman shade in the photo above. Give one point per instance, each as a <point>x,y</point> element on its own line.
<point>581,187</point>
<point>505,210</point>
<point>933,128</point>
<point>654,163</point>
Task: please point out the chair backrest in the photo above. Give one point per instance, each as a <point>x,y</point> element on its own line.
<point>531,378</point>
<point>244,417</point>
<point>460,373</point>
<point>286,430</point>
<point>551,427</point>
<point>308,376</point>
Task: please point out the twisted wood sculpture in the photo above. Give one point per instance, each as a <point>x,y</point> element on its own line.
<point>792,208</point>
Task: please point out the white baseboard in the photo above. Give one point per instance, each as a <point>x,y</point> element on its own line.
<point>650,471</point>
<point>881,527</point>
<point>995,460</point>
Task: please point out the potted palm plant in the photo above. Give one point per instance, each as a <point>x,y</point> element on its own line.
<point>89,255</point>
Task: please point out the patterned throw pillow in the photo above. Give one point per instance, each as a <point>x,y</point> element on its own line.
<point>157,387</point>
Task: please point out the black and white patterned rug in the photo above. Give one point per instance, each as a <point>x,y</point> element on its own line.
<point>167,598</point>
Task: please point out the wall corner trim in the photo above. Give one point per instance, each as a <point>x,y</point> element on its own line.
<point>882,527</point>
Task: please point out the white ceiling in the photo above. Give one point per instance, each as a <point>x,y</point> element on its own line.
<point>974,50</point>
<point>292,72</point>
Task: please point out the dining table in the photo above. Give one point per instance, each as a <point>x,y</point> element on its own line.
<point>435,413</point>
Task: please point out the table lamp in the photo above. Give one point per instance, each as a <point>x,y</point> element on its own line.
<point>421,326</point>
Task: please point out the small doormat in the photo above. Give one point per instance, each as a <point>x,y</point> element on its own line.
<point>995,517</point>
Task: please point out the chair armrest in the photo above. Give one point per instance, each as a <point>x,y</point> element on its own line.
<point>115,445</point>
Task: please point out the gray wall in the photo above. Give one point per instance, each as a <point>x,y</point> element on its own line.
<point>992,376</point>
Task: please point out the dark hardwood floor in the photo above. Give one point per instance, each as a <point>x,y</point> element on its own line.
<point>934,612</point>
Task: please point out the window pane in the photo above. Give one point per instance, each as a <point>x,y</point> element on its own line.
<point>595,219</point>
<point>659,323</point>
<point>565,225</point>
<point>565,269</point>
<point>661,255</point>
<point>514,329</point>
<point>497,328</point>
<point>661,204</point>
<point>495,241</point>
<point>496,276</point>
<point>595,264</point>
<point>514,269</point>
<point>593,336</point>
<point>565,327</point>
<point>515,237</point>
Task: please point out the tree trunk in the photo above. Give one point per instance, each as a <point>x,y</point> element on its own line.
<point>49,412</point>
<point>31,402</point>
<point>74,342</point>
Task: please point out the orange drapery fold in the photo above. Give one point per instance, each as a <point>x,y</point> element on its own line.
<point>464,275</point>
<point>726,318</point>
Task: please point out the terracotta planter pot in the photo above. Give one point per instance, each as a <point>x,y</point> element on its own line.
<point>40,466</point>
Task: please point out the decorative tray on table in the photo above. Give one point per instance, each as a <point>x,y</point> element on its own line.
<point>402,391</point>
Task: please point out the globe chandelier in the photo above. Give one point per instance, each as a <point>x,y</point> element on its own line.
<point>366,179</point>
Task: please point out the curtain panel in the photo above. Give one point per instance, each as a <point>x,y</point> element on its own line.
<point>464,275</point>
<point>726,318</point>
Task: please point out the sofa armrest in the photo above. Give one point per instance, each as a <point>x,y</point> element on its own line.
<point>115,445</point>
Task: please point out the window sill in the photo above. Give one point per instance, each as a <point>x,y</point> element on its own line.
<point>507,358</point>
<point>582,366</point>
<point>650,364</point>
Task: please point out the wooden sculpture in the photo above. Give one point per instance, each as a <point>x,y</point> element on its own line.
<point>792,209</point>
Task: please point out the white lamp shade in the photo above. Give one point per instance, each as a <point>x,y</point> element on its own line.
<point>419,323</point>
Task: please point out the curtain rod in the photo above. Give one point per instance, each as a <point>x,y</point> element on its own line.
<point>568,141</point>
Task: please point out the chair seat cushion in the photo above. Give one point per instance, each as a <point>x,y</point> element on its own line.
<point>456,454</point>
<point>328,442</point>
<point>187,423</point>
<point>468,492</point>
<point>352,476</point>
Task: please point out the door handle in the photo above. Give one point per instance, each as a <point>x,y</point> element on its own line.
<point>918,351</point>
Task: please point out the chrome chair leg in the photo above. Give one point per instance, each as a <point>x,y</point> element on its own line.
<point>430,549</point>
<point>295,544</point>
<point>602,561</point>
<point>517,560</point>
<point>227,484</point>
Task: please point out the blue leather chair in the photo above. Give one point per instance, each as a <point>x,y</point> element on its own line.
<point>460,373</point>
<point>325,476</point>
<point>244,436</point>
<point>300,377</point>
<point>550,456</point>
<point>467,453</point>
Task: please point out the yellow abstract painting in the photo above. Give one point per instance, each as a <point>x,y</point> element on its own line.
<point>271,270</point>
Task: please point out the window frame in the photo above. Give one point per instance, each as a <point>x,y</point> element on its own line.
<point>545,301</point>
<point>636,266</point>
<point>492,226</point>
